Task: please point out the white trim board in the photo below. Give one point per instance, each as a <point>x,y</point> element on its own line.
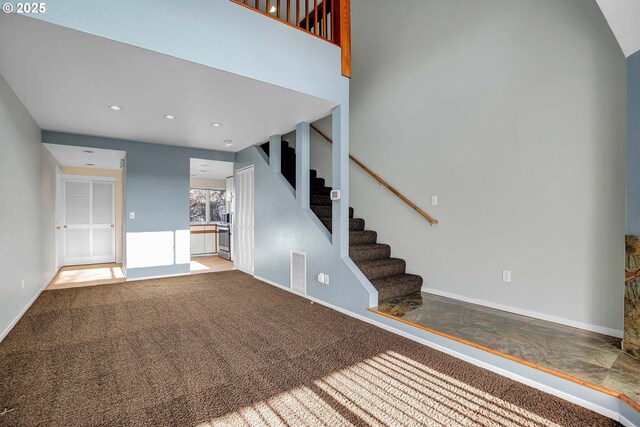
<point>8,329</point>
<point>618,333</point>
<point>614,414</point>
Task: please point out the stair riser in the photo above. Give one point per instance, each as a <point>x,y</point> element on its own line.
<point>326,211</point>
<point>377,271</point>
<point>320,201</point>
<point>380,252</point>
<point>398,291</point>
<point>361,238</point>
<point>317,182</point>
<point>320,191</point>
<point>355,224</point>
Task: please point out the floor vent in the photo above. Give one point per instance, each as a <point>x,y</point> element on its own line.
<point>299,272</point>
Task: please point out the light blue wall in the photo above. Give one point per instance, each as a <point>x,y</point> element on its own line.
<point>633,144</point>
<point>216,33</point>
<point>156,188</point>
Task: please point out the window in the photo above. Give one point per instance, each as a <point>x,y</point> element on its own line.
<point>206,205</point>
<point>217,205</point>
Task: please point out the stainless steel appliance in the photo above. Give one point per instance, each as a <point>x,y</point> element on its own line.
<point>224,241</point>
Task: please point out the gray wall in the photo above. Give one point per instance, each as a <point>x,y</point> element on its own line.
<point>513,113</point>
<point>633,149</point>
<point>27,209</point>
<point>157,190</point>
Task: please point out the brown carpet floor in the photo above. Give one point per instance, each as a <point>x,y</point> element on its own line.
<point>226,349</point>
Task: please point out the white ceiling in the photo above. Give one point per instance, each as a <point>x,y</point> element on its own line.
<point>83,157</point>
<point>623,17</point>
<point>211,169</point>
<point>67,79</point>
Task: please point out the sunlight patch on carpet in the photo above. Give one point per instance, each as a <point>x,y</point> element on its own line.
<point>388,389</point>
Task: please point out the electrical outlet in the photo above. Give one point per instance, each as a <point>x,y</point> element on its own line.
<point>506,276</point>
<point>132,215</point>
<point>326,279</point>
<point>23,285</point>
<point>434,200</point>
<point>321,277</point>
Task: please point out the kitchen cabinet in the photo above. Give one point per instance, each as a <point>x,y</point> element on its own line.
<point>204,239</point>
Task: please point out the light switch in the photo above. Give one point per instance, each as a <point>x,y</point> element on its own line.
<point>132,215</point>
<point>434,200</point>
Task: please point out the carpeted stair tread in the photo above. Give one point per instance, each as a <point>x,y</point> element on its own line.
<point>322,211</point>
<point>378,268</point>
<point>369,252</point>
<point>392,287</point>
<point>354,223</point>
<point>362,237</point>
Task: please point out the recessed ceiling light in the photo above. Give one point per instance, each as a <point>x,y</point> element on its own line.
<point>91,164</point>
<point>272,10</point>
<point>169,117</point>
<point>228,142</point>
<point>87,151</point>
<point>115,107</point>
<point>216,125</point>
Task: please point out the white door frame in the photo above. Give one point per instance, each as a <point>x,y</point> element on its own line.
<point>91,259</point>
<point>59,218</point>
<point>237,214</point>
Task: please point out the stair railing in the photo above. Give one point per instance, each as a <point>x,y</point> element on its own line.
<point>329,20</point>
<point>375,176</point>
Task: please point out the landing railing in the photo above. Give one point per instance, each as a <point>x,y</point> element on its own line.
<point>329,20</point>
<point>432,221</point>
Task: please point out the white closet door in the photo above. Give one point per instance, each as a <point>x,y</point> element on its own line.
<point>103,222</point>
<point>77,222</point>
<point>243,219</point>
<point>89,214</point>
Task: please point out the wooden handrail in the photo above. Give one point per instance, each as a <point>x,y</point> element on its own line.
<point>375,176</point>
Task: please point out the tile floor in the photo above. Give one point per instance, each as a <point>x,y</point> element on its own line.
<point>582,354</point>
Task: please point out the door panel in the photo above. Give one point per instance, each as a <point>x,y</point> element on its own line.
<point>78,244</point>
<point>103,203</point>
<point>77,204</point>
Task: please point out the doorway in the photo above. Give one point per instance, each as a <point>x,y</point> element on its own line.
<point>88,207</point>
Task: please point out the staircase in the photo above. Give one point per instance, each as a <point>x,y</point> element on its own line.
<point>388,275</point>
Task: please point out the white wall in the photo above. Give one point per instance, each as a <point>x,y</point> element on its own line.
<point>27,209</point>
<point>513,113</point>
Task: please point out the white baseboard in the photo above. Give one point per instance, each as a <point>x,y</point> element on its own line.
<point>618,333</point>
<point>613,414</point>
<point>8,329</point>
